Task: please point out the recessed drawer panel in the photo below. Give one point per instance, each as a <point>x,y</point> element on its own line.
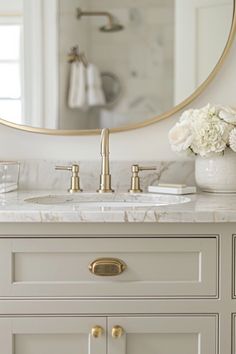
<point>103,267</point>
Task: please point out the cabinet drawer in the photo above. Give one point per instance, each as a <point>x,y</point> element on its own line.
<point>155,267</point>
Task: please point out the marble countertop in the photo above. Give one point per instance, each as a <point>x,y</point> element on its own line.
<point>202,208</point>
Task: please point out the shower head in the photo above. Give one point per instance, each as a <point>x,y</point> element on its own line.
<point>112,25</point>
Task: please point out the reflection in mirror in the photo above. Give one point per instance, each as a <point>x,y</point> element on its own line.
<point>87,64</point>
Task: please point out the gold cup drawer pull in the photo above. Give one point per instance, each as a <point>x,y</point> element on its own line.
<point>97,331</point>
<point>117,332</point>
<point>107,267</point>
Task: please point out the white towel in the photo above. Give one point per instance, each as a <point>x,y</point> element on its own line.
<point>78,85</point>
<point>95,94</point>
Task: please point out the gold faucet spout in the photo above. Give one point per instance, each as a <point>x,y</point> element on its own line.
<point>105,177</point>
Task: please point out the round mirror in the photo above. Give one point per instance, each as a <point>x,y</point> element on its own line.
<point>76,66</point>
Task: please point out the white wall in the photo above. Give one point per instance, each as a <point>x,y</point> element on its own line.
<point>144,144</point>
<point>11,6</point>
<point>195,15</point>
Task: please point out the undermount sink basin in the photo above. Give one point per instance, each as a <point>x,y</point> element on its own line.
<point>119,200</point>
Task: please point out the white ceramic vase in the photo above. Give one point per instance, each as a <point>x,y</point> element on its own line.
<point>217,174</point>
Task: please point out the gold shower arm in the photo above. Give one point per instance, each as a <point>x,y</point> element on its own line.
<point>81,13</point>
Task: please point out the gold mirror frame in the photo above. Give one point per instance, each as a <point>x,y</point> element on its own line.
<point>147,122</point>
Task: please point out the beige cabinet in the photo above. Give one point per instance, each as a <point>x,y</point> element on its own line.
<point>121,335</point>
<point>234,266</point>
<point>234,334</point>
<point>173,295</point>
<point>184,267</point>
<point>45,335</point>
<point>162,335</point>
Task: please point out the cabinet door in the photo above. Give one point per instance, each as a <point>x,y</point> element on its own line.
<point>163,335</point>
<point>57,335</point>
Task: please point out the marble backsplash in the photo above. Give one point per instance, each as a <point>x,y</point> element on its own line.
<point>41,174</point>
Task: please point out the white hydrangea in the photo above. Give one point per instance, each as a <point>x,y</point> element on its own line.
<point>232,139</point>
<point>211,135</point>
<point>180,136</point>
<point>204,131</point>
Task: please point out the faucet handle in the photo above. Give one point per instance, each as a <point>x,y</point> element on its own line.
<point>144,168</point>
<point>75,180</point>
<point>135,179</point>
<point>64,168</point>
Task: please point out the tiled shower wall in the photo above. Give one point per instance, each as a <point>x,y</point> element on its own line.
<point>141,55</point>
<point>71,32</point>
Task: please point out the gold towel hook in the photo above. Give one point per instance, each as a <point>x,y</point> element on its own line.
<point>75,56</point>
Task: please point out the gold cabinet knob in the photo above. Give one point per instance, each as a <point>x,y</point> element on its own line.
<point>117,332</point>
<point>97,331</point>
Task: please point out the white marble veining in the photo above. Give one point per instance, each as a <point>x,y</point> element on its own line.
<point>206,208</point>
<point>39,178</point>
<point>41,174</point>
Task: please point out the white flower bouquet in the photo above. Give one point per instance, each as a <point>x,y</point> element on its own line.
<point>206,131</point>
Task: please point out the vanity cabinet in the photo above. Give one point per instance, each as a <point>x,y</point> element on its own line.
<point>113,335</point>
<point>173,293</point>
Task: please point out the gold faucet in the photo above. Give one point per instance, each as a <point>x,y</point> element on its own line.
<point>105,177</point>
